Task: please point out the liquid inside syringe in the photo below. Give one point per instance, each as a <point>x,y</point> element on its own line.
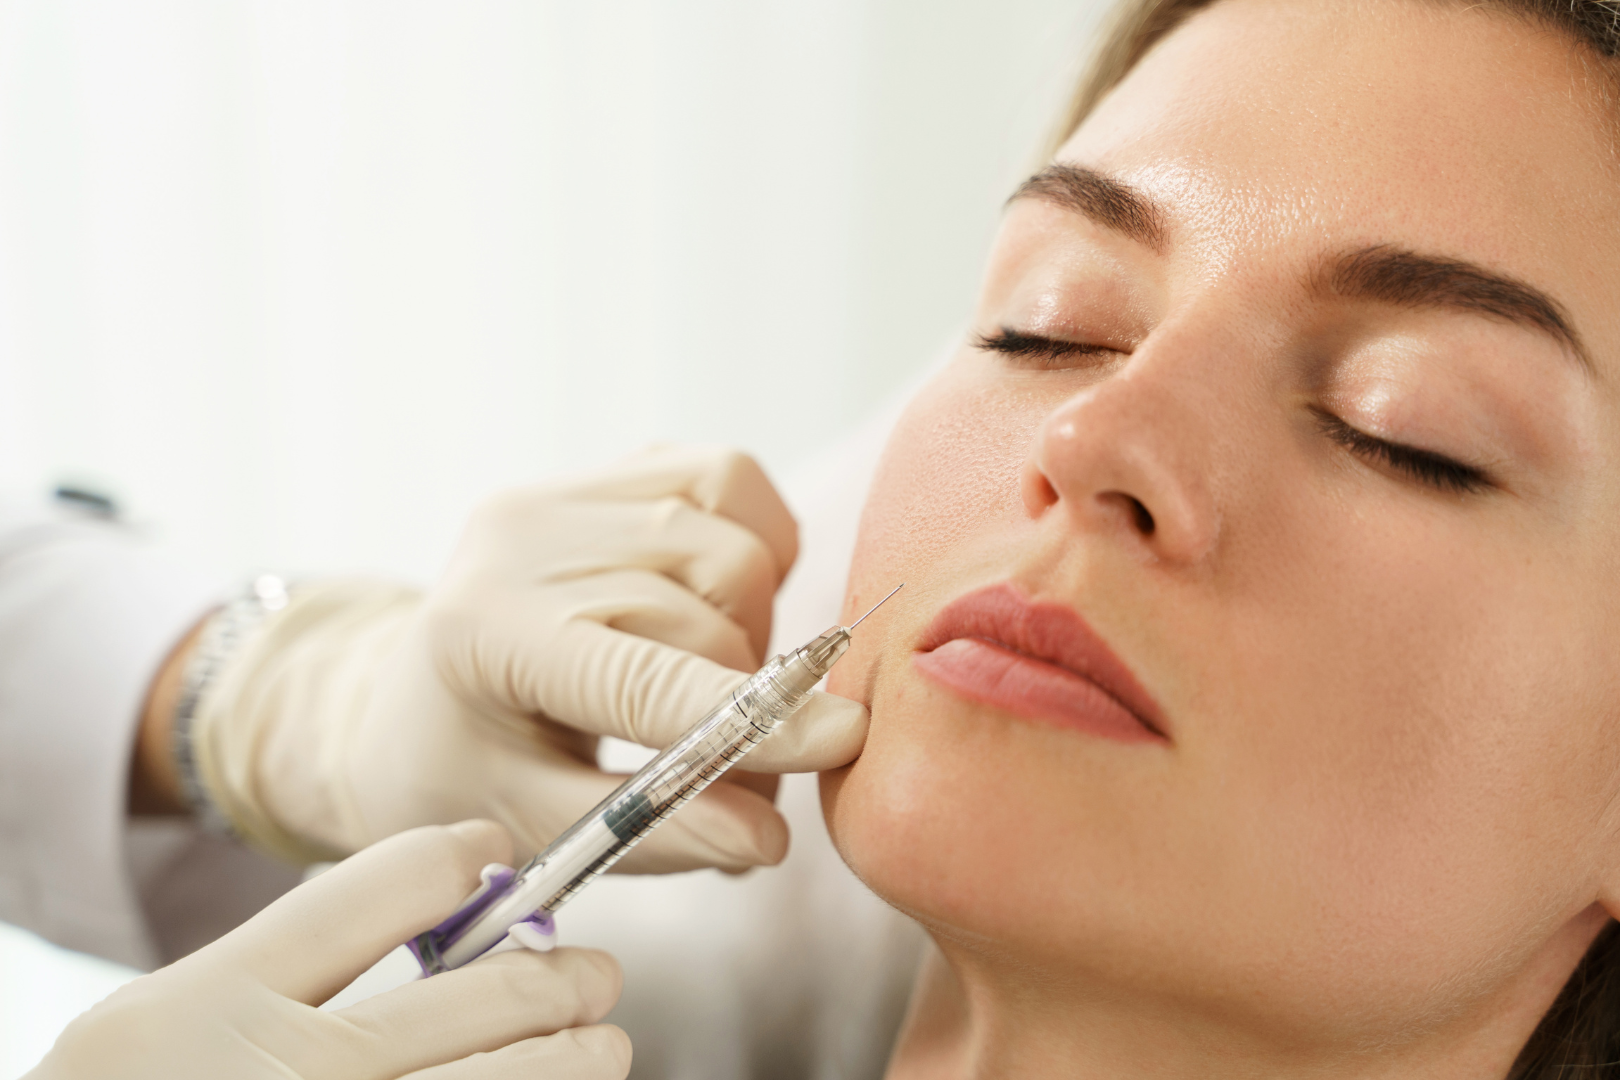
<point>599,839</point>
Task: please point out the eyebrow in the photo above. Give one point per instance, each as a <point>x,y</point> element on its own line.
<point>1381,273</point>
<point>1391,275</point>
<point>1109,202</point>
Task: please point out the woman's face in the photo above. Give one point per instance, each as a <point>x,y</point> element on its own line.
<point>1259,654</point>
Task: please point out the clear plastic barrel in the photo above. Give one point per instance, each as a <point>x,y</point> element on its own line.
<point>617,824</point>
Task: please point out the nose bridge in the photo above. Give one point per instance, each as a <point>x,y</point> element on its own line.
<point>1136,454</point>
<point>1180,379</point>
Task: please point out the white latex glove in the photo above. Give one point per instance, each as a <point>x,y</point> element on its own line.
<point>245,1007</point>
<point>627,603</point>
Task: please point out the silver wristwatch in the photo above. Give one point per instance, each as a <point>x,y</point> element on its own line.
<point>223,635</point>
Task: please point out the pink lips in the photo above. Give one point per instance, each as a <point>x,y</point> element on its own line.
<point>1038,660</point>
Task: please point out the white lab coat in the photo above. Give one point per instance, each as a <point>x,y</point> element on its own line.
<point>793,972</point>
<point>87,613</point>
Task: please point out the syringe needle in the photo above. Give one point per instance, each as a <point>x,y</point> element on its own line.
<point>875,606</point>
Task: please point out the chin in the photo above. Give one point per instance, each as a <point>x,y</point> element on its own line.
<point>880,831</point>
<point>1041,850</point>
<point>948,815</point>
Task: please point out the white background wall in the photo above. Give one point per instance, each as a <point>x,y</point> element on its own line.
<point>301,280</point>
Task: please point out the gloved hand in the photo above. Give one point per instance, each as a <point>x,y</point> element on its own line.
<point>244,1007</point>
<point>626,603</point>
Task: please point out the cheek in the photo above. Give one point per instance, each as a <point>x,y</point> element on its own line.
<point>948,479</point>
<point>951,467</point>
<point>949,474</point>
<point>1398,722</point>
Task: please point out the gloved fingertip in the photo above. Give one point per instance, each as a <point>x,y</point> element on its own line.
<point>489,838</point>
<point>760,840</point>
<point>758,834</point>
<point>605,1041</point>
<point>826,734</point>
<point>771,840</point>
<point>832,709</point>
<point>600,982</point>
<point>473,828</point>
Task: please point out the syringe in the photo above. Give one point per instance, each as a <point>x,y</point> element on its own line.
<point>599,839</point>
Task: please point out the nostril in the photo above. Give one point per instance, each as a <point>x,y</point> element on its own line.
<point>1038,492</point>
<point>1144,519</point>
<point>1122,507</point>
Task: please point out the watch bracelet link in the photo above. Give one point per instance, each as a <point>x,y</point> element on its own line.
<point>222,636</point>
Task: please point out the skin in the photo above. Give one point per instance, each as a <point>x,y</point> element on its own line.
<point>154,778</point>
<point>1384,826</point>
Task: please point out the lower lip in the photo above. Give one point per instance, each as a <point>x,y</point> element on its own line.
<point>994,675</point>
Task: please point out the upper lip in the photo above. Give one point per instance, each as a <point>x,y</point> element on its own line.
<point>1044,630</point>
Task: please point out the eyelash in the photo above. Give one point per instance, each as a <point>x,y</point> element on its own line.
<point>1425,466</point>
<point>1032,347</point>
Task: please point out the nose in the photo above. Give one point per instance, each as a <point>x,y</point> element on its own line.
<point>1128,457</point>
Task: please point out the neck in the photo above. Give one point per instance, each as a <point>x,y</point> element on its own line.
<point>971,1020</point>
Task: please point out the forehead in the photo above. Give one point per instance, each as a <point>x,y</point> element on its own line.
<point>1292,128</point>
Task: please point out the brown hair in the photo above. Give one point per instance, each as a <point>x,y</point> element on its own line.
<point>1580,1035</point>
<point>1137,25</point>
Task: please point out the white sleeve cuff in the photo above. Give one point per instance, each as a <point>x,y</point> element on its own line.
<point>86,617</point>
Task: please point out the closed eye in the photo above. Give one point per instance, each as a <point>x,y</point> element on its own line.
<point>1425,466</point>
<point>1037,350</point>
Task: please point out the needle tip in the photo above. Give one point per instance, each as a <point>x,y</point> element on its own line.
<point>877,605</point>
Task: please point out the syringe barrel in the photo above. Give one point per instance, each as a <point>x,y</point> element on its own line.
<point>617,824</point>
